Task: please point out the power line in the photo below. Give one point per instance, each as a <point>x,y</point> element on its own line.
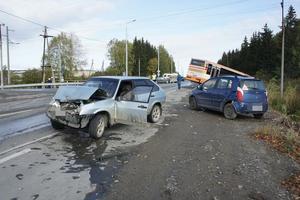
<point>187,11</point>
<point>22,18</point>
<point>229,14</point>
<point>41,25</point>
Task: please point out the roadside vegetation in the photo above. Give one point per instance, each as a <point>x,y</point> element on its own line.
<point>289,105</point>
<point>260,56</point>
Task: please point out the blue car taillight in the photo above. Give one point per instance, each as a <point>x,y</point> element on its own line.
<point>240,94</point>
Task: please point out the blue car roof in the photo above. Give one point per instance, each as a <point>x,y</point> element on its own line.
<point>239,77</point>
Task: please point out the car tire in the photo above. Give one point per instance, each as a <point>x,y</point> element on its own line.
<point>193,103</point>
<point>98,125</point>
<point>258,116</point>
<point>56,125</point>
<point>229,111</point>
<point>155,114</point>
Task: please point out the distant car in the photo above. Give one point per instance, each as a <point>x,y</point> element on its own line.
<point>163,79</point>
<point>231,95</point>
<point>103,101</point>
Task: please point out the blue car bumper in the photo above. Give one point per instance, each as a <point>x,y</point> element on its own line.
<point>250,108</point>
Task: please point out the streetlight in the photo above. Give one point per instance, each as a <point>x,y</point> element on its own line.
<point>282,49</point>
<point>1,60</point>
<point>126,50</point>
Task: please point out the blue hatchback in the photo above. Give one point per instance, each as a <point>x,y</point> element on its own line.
<point>231,95</point>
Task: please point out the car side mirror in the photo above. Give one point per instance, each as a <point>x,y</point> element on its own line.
<point>119,98</point>
<point>199,87</point>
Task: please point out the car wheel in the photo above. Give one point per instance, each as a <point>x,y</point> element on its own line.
<point>155,114</point>
<point>258,116</point>
<point>98,125</point>
<point>56,125</point>
<point>193,103</point>
<point>229,111</point>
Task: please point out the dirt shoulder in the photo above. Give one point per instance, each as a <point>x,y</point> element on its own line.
<point>201,155</point>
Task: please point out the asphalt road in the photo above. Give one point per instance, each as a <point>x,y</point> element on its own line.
<point>187,155</point>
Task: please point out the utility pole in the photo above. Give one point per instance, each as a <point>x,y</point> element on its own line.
<point>139,66</point>
<point>282,49</point>
<point>102,67</point>
<point>45,36</point>
<point>158,71</point>
<point>92,66</point>
<point>8,62</point>
<point>1,61</point>
<point>171,64</point>
<point>126,47</point>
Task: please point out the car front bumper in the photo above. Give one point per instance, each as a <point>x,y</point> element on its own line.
<point>69,118</point>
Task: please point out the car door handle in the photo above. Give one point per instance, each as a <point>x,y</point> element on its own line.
<point>142,106</point>
<point>152,95</point>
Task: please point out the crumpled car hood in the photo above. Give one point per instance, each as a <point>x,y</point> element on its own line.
<point>69,93</point>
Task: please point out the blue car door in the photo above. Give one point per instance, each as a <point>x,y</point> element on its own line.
<point>221,92</point>
<point>205,95</point>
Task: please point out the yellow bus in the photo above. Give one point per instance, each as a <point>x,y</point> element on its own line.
<point>201,70</point>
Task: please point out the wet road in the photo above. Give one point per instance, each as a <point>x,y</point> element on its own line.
<point>36,160</point>
<point>187,155</point>
<point>22,111</point>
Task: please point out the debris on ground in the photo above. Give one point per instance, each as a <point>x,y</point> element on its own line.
<point>284,135</point>
<point>293,185</point>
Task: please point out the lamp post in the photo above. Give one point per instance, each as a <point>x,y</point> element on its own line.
<point>126,48</point>
<point>1,61</point>
<point>282,50</point>
<point>158,71</point>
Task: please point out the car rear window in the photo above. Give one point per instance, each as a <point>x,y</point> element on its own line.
<point>252,85</point>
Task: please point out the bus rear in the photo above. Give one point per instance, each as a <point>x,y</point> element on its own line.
<point>197,71</point>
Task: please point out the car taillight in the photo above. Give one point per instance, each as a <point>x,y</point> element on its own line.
<point>240,94</point>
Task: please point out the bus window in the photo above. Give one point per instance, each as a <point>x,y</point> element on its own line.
<point>209,66</point>
<point>197,62</point>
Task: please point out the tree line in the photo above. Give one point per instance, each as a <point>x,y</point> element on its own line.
<point>142,58</point>
<point>261,54</point>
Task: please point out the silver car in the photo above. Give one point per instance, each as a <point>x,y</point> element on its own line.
<point>106,100</point>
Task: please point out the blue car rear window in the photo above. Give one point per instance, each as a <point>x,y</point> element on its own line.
<point>252,85</point>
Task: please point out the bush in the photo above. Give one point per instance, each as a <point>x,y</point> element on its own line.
<point>290,103</point>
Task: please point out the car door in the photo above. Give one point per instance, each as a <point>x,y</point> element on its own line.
<point>204,95</point>
<point>132,106</point>
<point>221,92</point>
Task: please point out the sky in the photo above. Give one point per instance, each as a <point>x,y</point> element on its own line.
<point>188,29</point>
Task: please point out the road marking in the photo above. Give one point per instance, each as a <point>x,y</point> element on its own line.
<point>28,143</point>
<point>7,158</point>
<point>14,113</point>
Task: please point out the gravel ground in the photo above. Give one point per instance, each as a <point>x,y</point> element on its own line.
<point>201,155</point>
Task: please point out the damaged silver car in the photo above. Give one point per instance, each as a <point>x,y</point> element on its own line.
<point>103,101</point>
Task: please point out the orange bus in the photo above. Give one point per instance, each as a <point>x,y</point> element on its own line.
<point>201,70</point>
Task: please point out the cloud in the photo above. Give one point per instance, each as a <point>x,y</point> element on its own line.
<point>210,43</point>
<point>74,16</point>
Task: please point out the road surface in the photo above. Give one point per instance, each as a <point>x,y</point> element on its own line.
<point>187,155</point>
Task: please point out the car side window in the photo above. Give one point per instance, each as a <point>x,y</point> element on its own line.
<point>150,83</point>
<point>209,84</point>
<point>224,83</point>
<point>124,89</point>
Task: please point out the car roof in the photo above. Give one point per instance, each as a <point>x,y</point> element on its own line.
<point>239,77</point>
<point>121,77</point>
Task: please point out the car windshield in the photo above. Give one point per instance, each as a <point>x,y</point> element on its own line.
<point>107,85</point>
<point>252,85</point>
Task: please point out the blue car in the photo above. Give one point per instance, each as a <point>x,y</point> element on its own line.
<point>231,95</point>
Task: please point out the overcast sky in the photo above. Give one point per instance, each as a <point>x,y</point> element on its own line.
<point>190,28</point>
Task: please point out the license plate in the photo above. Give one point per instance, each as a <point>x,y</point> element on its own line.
<point>257,108</point>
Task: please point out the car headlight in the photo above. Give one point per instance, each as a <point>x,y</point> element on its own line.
<point>54,103</point>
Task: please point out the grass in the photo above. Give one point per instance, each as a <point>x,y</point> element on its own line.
<point>285,140</point>
<point>290,103</point>
<point>284,137</point>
